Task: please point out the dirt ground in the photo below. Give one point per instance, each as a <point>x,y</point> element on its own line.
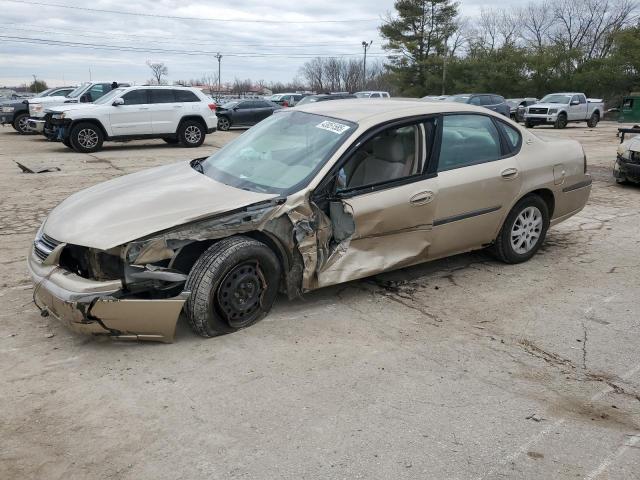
<point>464,368</point>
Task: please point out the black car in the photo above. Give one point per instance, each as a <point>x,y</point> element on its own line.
<point>16,112</point>
<point>244,113</point>
<point>518,106</point>
<point>487,100</point>
<point>324,97</point>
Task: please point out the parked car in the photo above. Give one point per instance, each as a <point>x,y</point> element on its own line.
<point>286,99</point>
<point>16,112</point>
<point>487,100</point>
<point>175,114</point>
<point>372,94</point>
<point>434,98</point>
<point>244,113</point>
<point>559,109</point>
<point>518,107</point>
<point>312,196</point>
<point>86,93</point>
<point>325,97</point>
<point>627,165</point>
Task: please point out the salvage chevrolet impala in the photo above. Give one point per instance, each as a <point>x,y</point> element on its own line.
<point>312,196</point>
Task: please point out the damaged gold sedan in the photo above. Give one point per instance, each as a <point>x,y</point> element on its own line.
<point>310,197</point>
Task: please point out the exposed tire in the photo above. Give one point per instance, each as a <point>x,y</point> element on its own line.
<point>561,121</point>
<point>67,142</point>
<point>191,133</point>
<point>593,121</point>
<point>171,140</point>
<point>86,137</point>
<point>528,124</point>
<point>523,231</point>
<point>233,285</point>
<point>20,123</point>
<point>224,124</point>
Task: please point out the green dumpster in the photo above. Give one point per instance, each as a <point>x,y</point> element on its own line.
<point>630,111</point>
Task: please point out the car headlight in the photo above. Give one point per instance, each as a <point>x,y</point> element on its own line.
<point>35,108</point>
<point>624,152</point>
<point>553,111</point>
<point>144,252</point>
<point>41,229</point>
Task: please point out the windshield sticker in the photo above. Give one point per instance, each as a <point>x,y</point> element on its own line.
<point>333,127</point>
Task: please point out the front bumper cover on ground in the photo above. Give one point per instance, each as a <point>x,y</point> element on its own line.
<point>98,308</point>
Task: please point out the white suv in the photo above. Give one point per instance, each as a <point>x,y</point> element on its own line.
<point>176,114</point>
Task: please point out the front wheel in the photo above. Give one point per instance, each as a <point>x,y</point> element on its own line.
<point>528,124</point>
<point>20,123</point>
<point>593,121</point>
<point>224,124</point>
<point>86,138</point>
<point>561,121</point>
<point>233,285</point>
<point>191,133</point>
<point>523,230</point>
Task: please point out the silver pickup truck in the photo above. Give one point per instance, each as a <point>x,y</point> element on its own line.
<point>559,109</point>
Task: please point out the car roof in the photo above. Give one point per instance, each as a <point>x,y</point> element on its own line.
<point>368,111</point>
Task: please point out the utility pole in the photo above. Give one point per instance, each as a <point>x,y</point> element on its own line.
<point>35,83</point>
<point>219,57</point>
<point>366,46</point>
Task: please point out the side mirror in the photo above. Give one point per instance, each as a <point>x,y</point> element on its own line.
<point>118,101</point>
<point>575,102</point>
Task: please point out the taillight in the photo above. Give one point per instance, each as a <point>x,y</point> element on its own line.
<point>285,104</point>
<point>212,107</point>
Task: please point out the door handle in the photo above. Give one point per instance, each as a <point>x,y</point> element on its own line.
<point>421,198</point>
<point>177,106</point>
<point>509,173</point>
<point>144,108</point>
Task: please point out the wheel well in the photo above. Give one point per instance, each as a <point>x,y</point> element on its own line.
<point>548,197</point>
<point>197,118</point>
<point>93,121</point>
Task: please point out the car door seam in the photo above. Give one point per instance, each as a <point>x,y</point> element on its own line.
<point>463,216</point>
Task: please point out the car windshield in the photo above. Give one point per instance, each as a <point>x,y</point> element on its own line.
<point>109,96</point>
<point>363,94</point>
<point>458,98</point>
<point>280,154</point>
<point>78,91</point>
<point>45,93</point>
<point>309,99</point>
<point>513,102</point>
<point>275,97</point>
<point>563,99</point>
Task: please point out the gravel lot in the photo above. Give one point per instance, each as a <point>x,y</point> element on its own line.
<point>464,368</point>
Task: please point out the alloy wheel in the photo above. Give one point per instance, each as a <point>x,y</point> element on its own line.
<point>87,138</point>
<point>192,134</point>
<point>526,230</point>
<point>23,124</point>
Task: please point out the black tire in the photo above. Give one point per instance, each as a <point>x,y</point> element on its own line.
<point>171,140</point>
<point>86,137</point>
<point>593,121</point>
<point>233,285</point>
<point>67,142</point>
<point>561,121</point>
<point>503,247</point>
<point>191,133</point>
<point>224,124</point>
<point>528,124</point>
<point>20,123</point>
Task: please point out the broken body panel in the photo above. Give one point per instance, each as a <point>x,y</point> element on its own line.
<point>153,224</point>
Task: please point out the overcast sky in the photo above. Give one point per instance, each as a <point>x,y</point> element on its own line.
<point>156,38</point>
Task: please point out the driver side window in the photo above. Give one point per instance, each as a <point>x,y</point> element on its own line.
<point>393,154</point>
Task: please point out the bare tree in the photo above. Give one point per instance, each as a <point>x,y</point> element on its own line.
<point>536,20</point>
<point>210,80</point>
<point>159,70</point>
<point>351,75</point>
<point>333,73</point>
<point>314,72</point>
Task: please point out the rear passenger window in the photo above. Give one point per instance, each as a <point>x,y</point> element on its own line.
<point>162,96</point>
<point>486,100</point>
<point>468,140</point>
<point>136,97</point>
<point>186,96</point>
<point>497,99</point>
<point>475,101</point>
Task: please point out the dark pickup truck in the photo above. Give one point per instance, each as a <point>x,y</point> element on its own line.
<point>16,112</point>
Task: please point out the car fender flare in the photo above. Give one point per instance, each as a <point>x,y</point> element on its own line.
<point>545,193</point>
<point>197,118</point>
<point>95,121</point>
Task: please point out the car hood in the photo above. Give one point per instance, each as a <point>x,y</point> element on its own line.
<point>11,103</point>
<point>52,99</point>
<point>133,206</point>
<point>71,106</point>
<point>632,144</point>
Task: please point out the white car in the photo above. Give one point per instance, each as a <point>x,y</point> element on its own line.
<point>176,114</point>
<point>371,94</point>
<point>559,109</point>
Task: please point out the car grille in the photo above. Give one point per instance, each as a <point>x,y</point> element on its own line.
<point>44,245</point>
<point>634,157</point>
<point>538,111</point>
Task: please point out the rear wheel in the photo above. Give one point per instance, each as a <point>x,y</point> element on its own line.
<point>233,285</point>
<point>561,121</point>
<point>86,138</point>
<point>593,121</point>
<point>224,124</point>
<point>191,133</point>
<point>20,123</point>
<point>523,230</point>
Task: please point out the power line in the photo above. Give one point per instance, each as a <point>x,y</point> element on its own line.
<point>122,48</point>
<point>176,17</point>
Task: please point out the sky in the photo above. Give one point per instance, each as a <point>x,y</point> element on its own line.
<point>259,39</point>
